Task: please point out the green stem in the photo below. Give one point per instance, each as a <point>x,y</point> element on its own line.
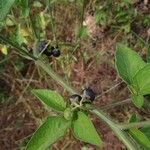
<point>118,132</point>
<point>134,124</point>
<point>116,104</point>
<point>57,78</point>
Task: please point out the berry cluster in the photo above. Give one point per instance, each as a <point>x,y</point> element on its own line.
<point>88,95</point>
<point>47,49</point>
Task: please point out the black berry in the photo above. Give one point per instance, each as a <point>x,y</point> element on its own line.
<point>44,48</point>
<point>89,94</point>
<point>75,98</point>
<point>48,51</point>
<point>56,52</point>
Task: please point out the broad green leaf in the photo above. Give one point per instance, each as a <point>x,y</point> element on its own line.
<point>50,98</point>
<point>5,6</point>
<point>128,63</point>
<point>140,137</point>
<point>138,100</point>
<point>142,80</point>
<point>84,130</point>
<point>54,128</point>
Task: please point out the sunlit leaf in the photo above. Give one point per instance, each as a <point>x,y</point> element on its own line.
<point>142,80</point>
<point>84,130</point>
<point>128,63</point>
<point>50,98</point>
<point>52,130</point>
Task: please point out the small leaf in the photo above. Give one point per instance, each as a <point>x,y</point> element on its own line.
<point>4,49</point>
<point>17,36</point>
<point>68,113</point>
<point>138,100</point>
<point>84,130</point>
<point>50,98</point>
<point>42,20</point>
<point>5,6</point>
<point>140,137</point>
<point>54,128</point>
<point>37,4</point>
<point>9,22</point>
<point>128,63</point>
<point>142,80</point>
<point>133,118</point>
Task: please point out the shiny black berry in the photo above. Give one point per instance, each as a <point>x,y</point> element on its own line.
<point>48,51</point>
<point>75,98</point>
<point>56,52</point>
<point>89,94</point>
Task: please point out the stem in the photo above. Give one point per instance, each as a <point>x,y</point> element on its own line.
<point>57,78</point>
<point>118,132</point>
<point>116,104</point>
<point>110,89</point>
<point>135,124</point>
<point>141,39</point>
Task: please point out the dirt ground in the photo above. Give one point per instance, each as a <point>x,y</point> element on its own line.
<point>21,113</point>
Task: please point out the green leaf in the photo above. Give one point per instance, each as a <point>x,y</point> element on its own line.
<point>17,36</point>
<point>54,128</point>
<point>146,131</point>
<point>84,130</point>
<point>140,137</point>
<point>50,98</point>
<point>133,118</point>
<point>128,63</point>
<point>5,6</point>
<point>68,114</point>
<point>142,80</point>
<point>138,100</point>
